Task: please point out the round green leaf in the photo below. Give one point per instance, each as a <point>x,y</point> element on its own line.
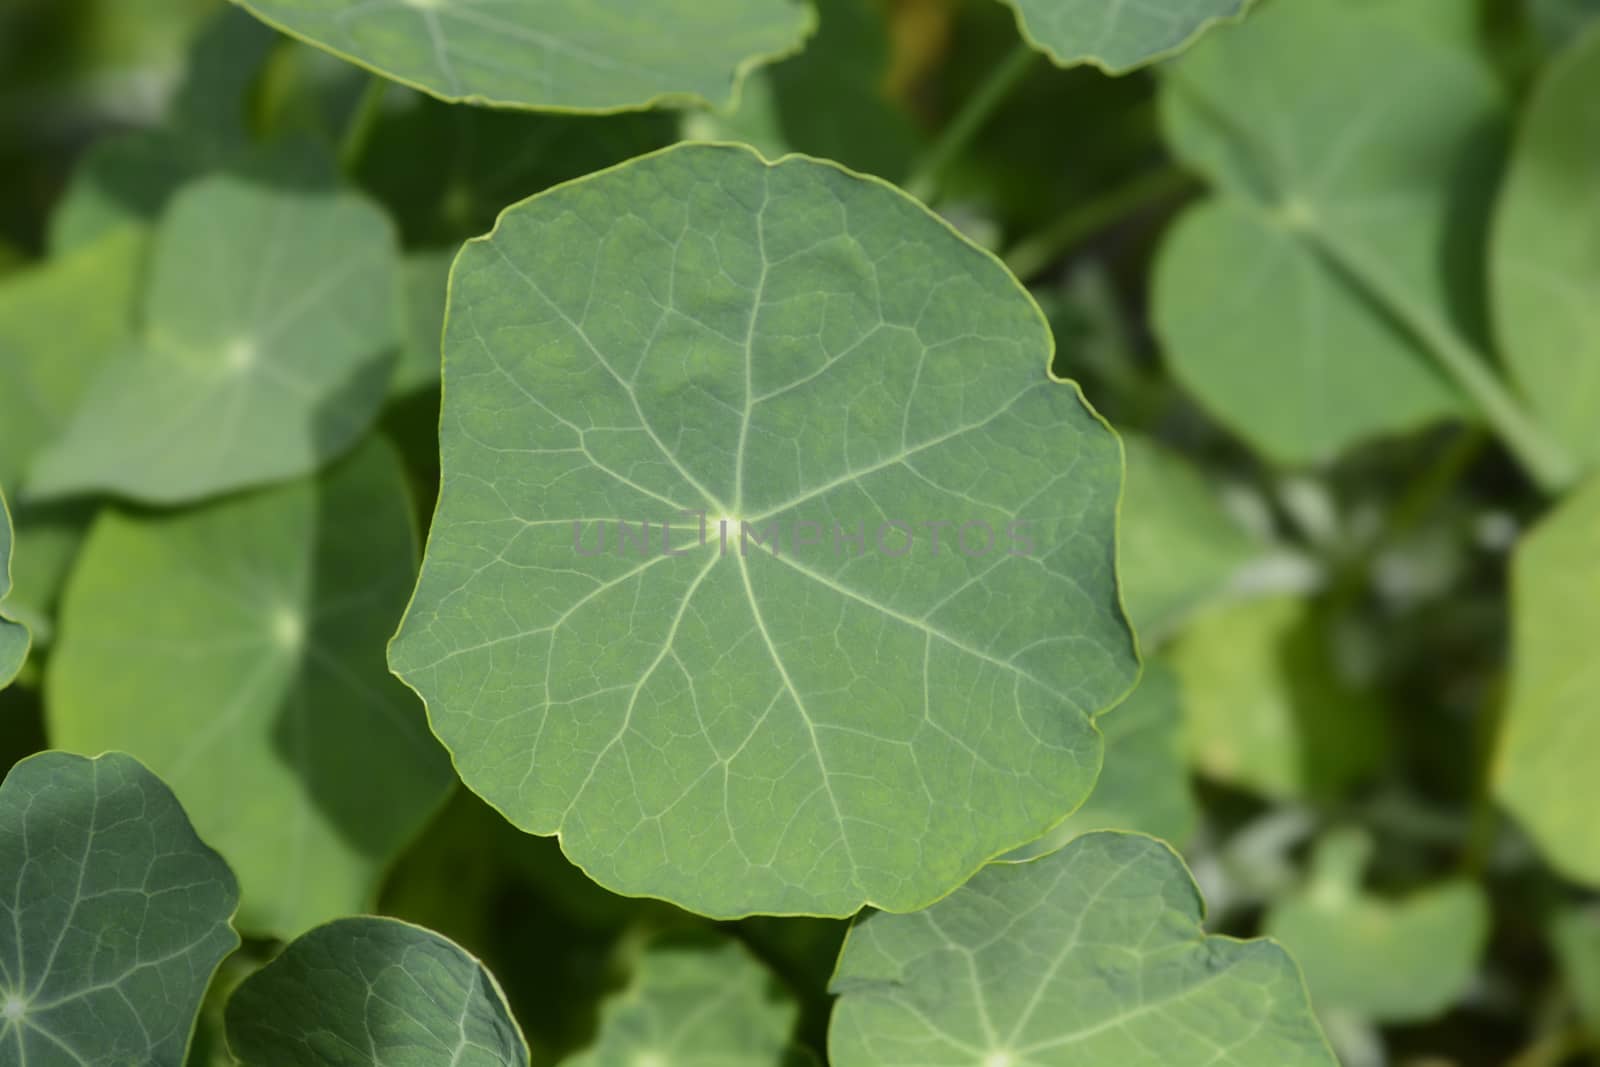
<point>1354,157</point>
<point>269,328</point>
<point>114,917</point>
<point>1544,267</point>
<point>1117,37</point>
<point>561,55</point>
<point>1090,956</point>
<point>688,1006</point>
<point>371,992</point>
<point>803,725</point>
<point>249,635</point>
<point>1544,767</point>
<point>14,637</point>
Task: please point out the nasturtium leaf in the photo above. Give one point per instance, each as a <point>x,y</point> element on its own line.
<point>237,648</point>
<point>1561,21</point>
<point>1546,254</point>
<point>1117,37</point>
<point>14,637</point>
<point>427,277</point>
<point>114,915</point>
<point>1544,772</point>
<point>1179,547</point>
<point>1396,961</point>
<point>1267,706</point>
<point>1093,955</point>
<point>1353,156</point>
<point>1575,936</point>
<point>803,725</point>
<point>693,1005</point>
<point>270,329</point>
<point>560,55</point>
<point>1144,785</point>
<point>373,992</point>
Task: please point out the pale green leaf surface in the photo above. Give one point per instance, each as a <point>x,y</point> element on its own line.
<point>427,276</point>
<point>800,731</point>
<point>566,55</point>
<point>1117,35</point>
<point>1353,156</point>
<point>237,648</point>
<point>695,1006</point>
<point>373,992</point>
<point>270,328</point>
<point>1091,956</point>
<point>1178,546</point>
<point>113,915</point>
<point>1265,705</point>
<point>1544,766</point>
<point>14,637</point>
<point>1575,936</point>
<point>1545,265</point>
<point>1144,785</point>
<point>1393,961</point>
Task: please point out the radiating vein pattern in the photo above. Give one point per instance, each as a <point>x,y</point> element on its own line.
<point>372,992</point>
<point>113,915</point>
<point>588,55</point>
<point>843,712</point>
<point>1090,956</point>
<point>1117,35</point>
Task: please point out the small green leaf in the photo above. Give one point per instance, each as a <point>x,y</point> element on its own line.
<point>1575,936</point>
<point>1545,773</point>
<point>560,55</point>
<point>269,333</point>
<point>1545,268</point>
<point>1117,37</point>
<point>427,278</point>
<point>14,637</point>
<point>1091,956</point>
<point>371,992</point>
<point>1144,785</point>
<point>1267,707</point>
<point>815,724</point>
<point>1391,961</point>
<point>249,635</point>
<point>115,915</point>
<point>1354,158</point>
<point>689,1006</point>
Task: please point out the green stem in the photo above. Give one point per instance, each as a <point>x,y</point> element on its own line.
<point>959,132</point>
<point>1031,256</point>
<point>358,130</point>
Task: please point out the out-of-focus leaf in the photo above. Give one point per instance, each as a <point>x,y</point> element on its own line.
<point>1546,254</point>
<point>692,1005</point>
<point>117,915</point>
<point>1575,936</point>
<point>427,279</point>
<point>829,101</point>
<point>14,636</point>
<point>561,55</point>
<point>1087,957</point>
<point>1544,767</point>
<point>373,992</point>
<point>1117,37</point>
<point>1177,546</point>
<point>1266,706</point>
<point>1391,961</point>
<point>1561,21</point>
<point>1354,157</point>
<point>238,649</point>
<point>1143,785</point>
<point>269,335</point>
<point>804,727</point>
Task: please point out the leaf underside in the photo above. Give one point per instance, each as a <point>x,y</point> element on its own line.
<point>1117,37</point>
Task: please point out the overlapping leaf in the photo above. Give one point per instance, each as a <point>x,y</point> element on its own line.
<point>696,1005</point>
<point>1117,36</point>
<point>1545,266</point>
<point>113,915</point>
<point>808,724</point>
<point>568,55</point>
<point>14,637</point>
<point>371,992</point>
<point>1354,157</point>
<point>249,635</point>
<point>1394,961</point>
<point>269,334</point>
<point>1091,956</point>
<point>1544,772</point>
